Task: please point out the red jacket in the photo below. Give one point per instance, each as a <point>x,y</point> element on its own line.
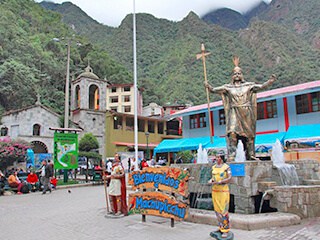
<point>32,178</point>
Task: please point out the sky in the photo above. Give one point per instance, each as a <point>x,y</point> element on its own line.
<point>112,12</point>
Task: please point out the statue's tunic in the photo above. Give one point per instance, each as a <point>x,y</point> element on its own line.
<point>240,107</point>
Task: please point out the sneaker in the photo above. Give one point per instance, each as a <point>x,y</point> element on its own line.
<point>19,193</point>
<point>43,193</point>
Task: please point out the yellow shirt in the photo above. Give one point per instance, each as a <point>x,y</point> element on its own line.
<point>219,174</point>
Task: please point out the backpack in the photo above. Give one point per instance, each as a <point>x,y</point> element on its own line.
<point>24,188</point>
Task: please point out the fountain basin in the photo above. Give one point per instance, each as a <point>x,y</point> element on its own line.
<point>259,177</point>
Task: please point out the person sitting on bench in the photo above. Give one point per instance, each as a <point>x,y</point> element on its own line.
<point>33,181</point>
<point>14,181</point>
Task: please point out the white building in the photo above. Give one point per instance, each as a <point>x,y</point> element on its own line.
<point>31,124</point>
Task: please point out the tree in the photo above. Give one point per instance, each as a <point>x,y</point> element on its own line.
<point>186,156</point>
<point>88,142</point>
<point>11,151</point>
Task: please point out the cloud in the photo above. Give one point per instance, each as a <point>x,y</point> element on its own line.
<point>112,12</point>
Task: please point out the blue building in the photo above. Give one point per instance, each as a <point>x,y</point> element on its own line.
<point>277,110</point>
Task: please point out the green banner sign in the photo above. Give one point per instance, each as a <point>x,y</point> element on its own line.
<point>65,150</point>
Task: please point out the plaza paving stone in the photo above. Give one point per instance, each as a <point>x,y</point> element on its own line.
<point>81,214</point>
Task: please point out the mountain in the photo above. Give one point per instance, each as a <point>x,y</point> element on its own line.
<point>299,16</point>
<point>31,62</point>
<point>230,19</point>
<point>167,67</point>
<point>166,51</point>
<point>226,18</point>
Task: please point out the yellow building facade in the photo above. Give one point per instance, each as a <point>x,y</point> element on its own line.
<point>119,133</point>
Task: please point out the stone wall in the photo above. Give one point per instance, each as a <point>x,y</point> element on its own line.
<point>258,174</point>
<point>259,177</point>
<point>301,200</point>
<point>306,169</point>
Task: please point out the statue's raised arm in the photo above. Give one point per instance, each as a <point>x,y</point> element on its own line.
<point>220,89</point>
<point>270,81</point>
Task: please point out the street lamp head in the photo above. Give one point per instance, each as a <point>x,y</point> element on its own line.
<point>147,134</point>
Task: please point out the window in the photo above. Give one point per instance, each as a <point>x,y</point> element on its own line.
<point>267,110</point>
<point>315,99</point>
<point>126,109</point>
<point>126,98</point>
<point>113,89</point>
<point>36,130</point>
<point>117,122</point>
<point>141,124</point>
<point>222,117</point>
<point>4,131</point>
<point>309,102</point>
<point>77,97</point>
<point>129,124</point>
<point>193,121</point>
<point>114,99</point>
<point>93,97</point>
<point>151,126</point>
<point>126,89</point>
<point>160,127</point>
<point>114,109</point>
<point>198,121</point>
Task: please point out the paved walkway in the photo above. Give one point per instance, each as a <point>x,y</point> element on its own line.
<point>81,214</point>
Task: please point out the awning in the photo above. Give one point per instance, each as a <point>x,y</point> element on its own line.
<point>269,139</point>
<point>303,131</point>
<point>218,143</point>
<point>265,142</point>
<point>177,145</point>
<point>183,144</point>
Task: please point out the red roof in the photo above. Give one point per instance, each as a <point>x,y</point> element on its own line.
<point>273,92</point>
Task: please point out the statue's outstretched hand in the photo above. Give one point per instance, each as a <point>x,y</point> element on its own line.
<point>273,78</point>
<point>206,85</point>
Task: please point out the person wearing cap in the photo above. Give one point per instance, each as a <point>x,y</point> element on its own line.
<point>221,175</point>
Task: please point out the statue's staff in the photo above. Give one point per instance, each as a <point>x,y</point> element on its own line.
<point>203,55</point>
<point>105,184</point>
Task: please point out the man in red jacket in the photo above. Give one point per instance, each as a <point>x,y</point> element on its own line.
<point>33,181</point>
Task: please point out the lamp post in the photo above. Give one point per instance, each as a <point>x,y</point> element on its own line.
<point>66,102</point>
<point>147,138</point>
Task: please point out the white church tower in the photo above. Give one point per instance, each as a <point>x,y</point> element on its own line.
<point>88,104</point>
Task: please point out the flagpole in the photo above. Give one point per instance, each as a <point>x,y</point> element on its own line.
<point>203,55</point>
<point>135,84</point>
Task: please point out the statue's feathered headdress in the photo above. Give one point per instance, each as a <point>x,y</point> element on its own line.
<point>236,61</point>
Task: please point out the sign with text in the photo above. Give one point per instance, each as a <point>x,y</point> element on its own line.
<point>65,150</point>
<point>157,204</point>
<point>163,178</point>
